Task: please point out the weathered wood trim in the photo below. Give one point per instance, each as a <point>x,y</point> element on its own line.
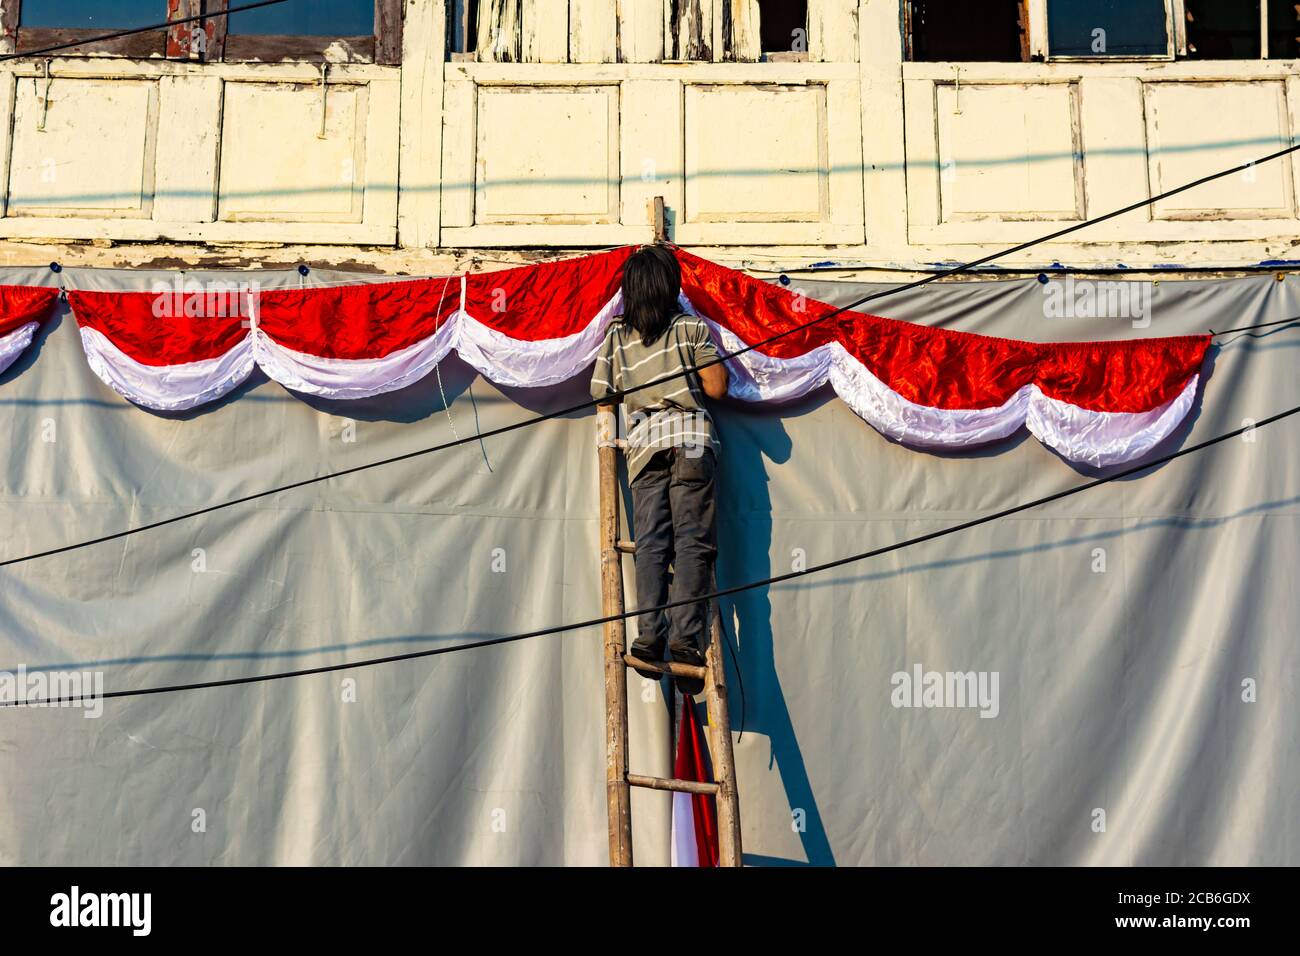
<point>545,27</point>
<point>180,37</point>
<point>593,31</point>
<point>216,30</point>
<point>640,31</point>
<point>389,17</point>
<point>186,176</point>
<point>578,74</point>
<point>741,39</point>
<point>138,45</point>
<point>274,49</point>
<point>832,27</point>
<point>112,67</point>
<point>150,230</point>
<point>688,30</point>
<point>500,32</point>
<point>8,25</point>
<point>8,99</point>
<point>1026,44</point>
<point>884,182</point>
<point>384,46</point>
<point>419,206</point>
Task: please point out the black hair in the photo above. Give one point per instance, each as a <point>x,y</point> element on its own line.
<point>652,280</point>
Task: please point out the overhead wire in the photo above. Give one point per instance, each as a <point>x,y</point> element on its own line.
<point>711,596</point>
<point>618,395</point>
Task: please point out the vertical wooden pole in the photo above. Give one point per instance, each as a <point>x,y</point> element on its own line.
<point>618,792</point>
<point>658,219</point>
<point>724,765</point>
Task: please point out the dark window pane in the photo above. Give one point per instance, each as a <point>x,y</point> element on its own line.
<point>1283,30</point>
<point>1107,28</point>
<point>777,22</point>
<point>318,18</point>
<point>104,15</point>
<point>1223,29</point>
<point>964,31</point>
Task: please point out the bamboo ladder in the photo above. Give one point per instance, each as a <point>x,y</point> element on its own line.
<point>618,780</point>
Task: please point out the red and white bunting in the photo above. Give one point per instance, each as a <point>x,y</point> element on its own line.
<point>1099,403</point>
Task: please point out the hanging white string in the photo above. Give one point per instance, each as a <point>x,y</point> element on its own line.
<point>437,366</point>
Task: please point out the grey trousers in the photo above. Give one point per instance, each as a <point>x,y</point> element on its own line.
<point>673,518</point>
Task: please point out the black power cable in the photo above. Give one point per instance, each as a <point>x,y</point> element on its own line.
<point>615,396</point>
<point>72,44</point>
<point>717,593</point>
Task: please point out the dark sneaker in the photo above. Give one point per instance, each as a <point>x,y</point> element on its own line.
<point>649,656</point>
<point>690,686</point>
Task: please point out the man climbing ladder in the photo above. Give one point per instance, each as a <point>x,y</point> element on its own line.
<point>671,454</point>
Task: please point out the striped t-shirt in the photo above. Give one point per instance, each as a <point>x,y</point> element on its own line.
<point>671,413</point>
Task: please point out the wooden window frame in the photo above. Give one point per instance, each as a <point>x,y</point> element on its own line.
<point>1041,43</point>
<point>384,46</point>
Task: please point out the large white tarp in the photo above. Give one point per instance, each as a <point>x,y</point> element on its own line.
<point>1143,635</point>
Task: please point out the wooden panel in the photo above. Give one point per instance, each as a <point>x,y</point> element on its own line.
<point>458,138</point>
<point>593,31</point>
<point>772,164</point>
<point>152,44</point>
<point>922,154</point>
<point>547,154</point>
<point>388,31</point>
<point>885,192</point>
<point>377,174</point>
<point>739,31</point>
<point>833,31</point>
<point>1115,170</point>
<point>688,29</point>
<point>181,43</point>
<point>756,154</point>
<point>1249,120</point>
<point>652,149</point>
<point>500,31</point>
<point>1009,152</point>
<point>546,31</point>
<point>421,128</point>
<point>641,31</point>
<point>88,149</point>
<point>844,152</point>
<point>8,25</point>
<point>274,49</point>
<point>274,164</point>
<point>189,112</point>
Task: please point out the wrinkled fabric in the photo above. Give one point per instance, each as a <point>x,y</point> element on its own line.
<point>1143,631</point>
<point>14,344</point>
<point>22,310</point>
<point>535,326</point>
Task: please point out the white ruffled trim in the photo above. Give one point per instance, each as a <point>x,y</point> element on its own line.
<point>1099,439</point>
<point>167,388</point>
<point>15,344</point>
<point>1102,439</point>
<point>351,378</point>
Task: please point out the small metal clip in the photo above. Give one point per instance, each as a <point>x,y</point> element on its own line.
<point>324,80</point>
<point>45,95</point>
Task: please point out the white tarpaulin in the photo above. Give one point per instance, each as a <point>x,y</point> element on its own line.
<point>1135,646</point>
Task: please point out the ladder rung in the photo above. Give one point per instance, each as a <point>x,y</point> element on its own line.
<point>627,547</point>
<point>672,668</point>
<point>679,786</point>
